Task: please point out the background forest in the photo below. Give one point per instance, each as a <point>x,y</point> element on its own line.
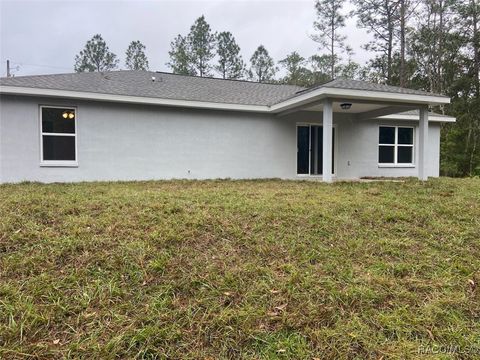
<point>432,45</point>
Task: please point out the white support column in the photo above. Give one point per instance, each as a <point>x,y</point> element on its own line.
<point>327,140</point>
<point>423,144</point>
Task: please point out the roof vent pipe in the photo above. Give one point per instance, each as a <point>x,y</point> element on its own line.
<point>153,78</point>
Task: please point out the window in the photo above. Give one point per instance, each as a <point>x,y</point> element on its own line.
<point>58,136</point>
<point>395,145</point>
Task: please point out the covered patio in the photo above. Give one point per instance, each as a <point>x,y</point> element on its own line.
<point>359,101</point>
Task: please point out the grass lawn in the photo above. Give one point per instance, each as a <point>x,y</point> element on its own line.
<point>240,269</point>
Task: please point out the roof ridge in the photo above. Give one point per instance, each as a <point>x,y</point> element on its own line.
<point>154,72</point>
<point>222,79</point>
<point>77,73</point>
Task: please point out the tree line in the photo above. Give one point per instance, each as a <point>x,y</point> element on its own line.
<point>431,45</point>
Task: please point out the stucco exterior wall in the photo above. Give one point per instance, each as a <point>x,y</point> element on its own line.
<point>358,150</point>
<point>138,142</point>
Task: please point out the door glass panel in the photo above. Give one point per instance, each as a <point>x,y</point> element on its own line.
<point>303,149</point>
<point>316,161</point>
<point>310,150</point>
<point>333,150</point>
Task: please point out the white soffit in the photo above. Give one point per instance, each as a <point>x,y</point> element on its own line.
<point>431,117</point>
<point>353,95</point>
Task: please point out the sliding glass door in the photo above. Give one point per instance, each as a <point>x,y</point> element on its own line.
<point>310,149</point>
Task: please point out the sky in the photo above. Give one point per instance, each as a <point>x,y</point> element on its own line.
<point>43,37</point>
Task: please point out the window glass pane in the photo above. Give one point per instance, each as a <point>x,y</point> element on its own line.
<point>405,154</point>
<point>303,134</point>
<point>58,147</point>
<point>386,154</point>
<point>56,120</point>
<point>405,136</point>
<point>387,135</point>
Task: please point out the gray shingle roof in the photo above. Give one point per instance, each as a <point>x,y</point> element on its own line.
<point>166,86</point>
<point>180,87</point>
<point>366,86</point>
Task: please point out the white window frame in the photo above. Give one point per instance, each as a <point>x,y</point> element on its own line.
<point>395,146</point>
<point>335,152</point>
<point>58,163</point>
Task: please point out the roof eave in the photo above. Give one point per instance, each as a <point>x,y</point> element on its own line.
<point>294,102</point>
<point>350,94</point>
<point>431,117</point>
<point>82,95</point>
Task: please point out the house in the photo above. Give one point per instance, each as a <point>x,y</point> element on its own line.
<point>139,125</point>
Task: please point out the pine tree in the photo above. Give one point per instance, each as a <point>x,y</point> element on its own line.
<point>329,21</point>
<point>297,72</point>
<point>180,61</point>
<point>262,67</point>
<point>230,62</point>
<point>201,46</point>
<point>135,56</point>
<point>380,18</point>
<point>321,68</point>
<point>433,45</point>
<point>95,56</point>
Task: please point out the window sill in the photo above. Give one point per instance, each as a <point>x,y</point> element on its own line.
<point>396,165</point>
<point>58,164</point>
<point>308,176</point>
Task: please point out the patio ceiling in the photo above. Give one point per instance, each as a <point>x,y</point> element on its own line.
<point>355,109</point>
<point>365,102</point>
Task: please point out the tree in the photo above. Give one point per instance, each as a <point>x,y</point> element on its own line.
<point>351,70</point>
<point>135,56</point>
<point>95,56</point>
<point>406,8</point>
<point>469,94</point>
<point>379,17</point>
<point>403,22</point>
<point>180,62</point>
<point>201,45</point>
<point>432,44</point>
<point>329,21</point>
<point>262,67</point>
<point>230,62</point>
<point>446,53</point>
<point>321,69</point>
<point>297,72</point>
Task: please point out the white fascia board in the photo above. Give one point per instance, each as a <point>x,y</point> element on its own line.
<point>294,102</point>
<point>434,118</point>
<point>324,92</point>
<point>81,95</point>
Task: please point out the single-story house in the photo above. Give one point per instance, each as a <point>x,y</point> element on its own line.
<point>141,125</point>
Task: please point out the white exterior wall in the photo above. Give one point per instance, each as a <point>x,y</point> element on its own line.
<point>358,150</point>
<point>356,146</point>
<point>138,142</point>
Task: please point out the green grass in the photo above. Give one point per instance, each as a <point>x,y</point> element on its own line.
<point>240,269</point>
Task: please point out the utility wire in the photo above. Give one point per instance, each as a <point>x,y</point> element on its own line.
<point>14,63</point>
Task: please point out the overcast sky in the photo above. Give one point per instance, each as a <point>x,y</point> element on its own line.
<point>43,37</point>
